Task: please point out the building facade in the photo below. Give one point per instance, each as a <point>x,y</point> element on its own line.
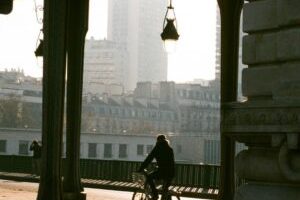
<point>131,147</point>
<point>105,67</point>
<point>189,113</point>
<point>137,25</point>
<point>20,100</point>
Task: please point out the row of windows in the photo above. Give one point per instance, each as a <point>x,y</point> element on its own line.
<point>197,95</point>
<point>23,147</point>
<point>92,150</point>
<point>133,113</point>
<point>141,149</point>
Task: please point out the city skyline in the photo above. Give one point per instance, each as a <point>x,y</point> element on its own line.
<point>184,65</point>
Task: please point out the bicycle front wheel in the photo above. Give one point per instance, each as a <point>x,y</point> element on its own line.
<point>171,197</point>
<point>177,197</point>
<point>138,196</point>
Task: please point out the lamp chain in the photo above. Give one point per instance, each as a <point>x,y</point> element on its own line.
<point>170,4</point>
<point>38,8</point>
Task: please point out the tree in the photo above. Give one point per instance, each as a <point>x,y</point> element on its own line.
<point>10,111</point>
<point>31,115</point>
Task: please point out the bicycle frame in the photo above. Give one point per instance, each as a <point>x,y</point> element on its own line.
<point>144,191</point>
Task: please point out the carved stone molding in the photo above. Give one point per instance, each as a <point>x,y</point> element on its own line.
<point>263,118</point>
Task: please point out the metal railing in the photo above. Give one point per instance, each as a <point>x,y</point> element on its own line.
<point>192,175</point>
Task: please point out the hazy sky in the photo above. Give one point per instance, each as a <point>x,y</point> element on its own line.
<point>193,59</point>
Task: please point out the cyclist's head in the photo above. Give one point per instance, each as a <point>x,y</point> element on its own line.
<point>162,139</point>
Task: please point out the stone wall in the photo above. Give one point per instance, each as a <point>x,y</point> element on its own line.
<point>268,122</point>
<point>271,48</point>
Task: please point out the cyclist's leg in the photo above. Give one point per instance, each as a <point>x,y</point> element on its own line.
<point>165,189</point>
<point>150,180</point>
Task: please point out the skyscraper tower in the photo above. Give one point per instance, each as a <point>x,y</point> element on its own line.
<point>137,24</point>
<point>218,44</point>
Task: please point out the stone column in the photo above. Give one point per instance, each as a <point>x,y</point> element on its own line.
<point>53,99</point>
<point>268,123</point>
<point>77,28</point>
<point>230,11</point>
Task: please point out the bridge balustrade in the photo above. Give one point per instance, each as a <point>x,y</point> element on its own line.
<point>192,175</point>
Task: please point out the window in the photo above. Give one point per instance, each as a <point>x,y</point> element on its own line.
<point>122,150</point>
<point>149,148</point>
<point>140,150</point>
<point>212,151</point>
<point>2,146</point>
<point>133,113</point>
<point>92,153</point>
<point>178,148</point>
<point>107,150</point>
<point>23,147</point>
<point>102,110</point>
<point>81,149</point>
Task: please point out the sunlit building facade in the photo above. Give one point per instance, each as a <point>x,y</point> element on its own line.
<point>105,65</point>
<point>20,100</point>
<point>188,113</point>
<point>218,44</point>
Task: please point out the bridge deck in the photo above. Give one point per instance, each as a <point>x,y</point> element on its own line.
<point>194,192</point>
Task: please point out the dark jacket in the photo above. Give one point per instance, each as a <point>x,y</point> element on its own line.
<point>37,150</point>
<point>164,157</point>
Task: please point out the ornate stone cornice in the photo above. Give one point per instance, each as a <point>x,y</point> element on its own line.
<point>261,117</point>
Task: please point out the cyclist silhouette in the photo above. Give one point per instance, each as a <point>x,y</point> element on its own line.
<point>164,156</point>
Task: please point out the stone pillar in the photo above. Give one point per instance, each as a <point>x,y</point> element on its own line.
<point>230,11</point>
<point>77,28</point>
<point>53,99</point>
<point>268,123</point>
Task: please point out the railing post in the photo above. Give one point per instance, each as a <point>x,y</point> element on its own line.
<point>115,172</point>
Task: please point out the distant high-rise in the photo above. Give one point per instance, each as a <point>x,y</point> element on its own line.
<point>105,65</point>
<point>137,25</point>
<point>218,44</point>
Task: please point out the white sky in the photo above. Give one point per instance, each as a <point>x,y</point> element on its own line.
<point>194,57</point>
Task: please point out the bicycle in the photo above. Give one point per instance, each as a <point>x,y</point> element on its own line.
<point>144,191</point>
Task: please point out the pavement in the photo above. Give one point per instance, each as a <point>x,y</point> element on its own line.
<point>17,190</point>
<point>118,186</point>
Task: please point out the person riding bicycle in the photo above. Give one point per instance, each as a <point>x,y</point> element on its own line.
<point>164,156</point>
